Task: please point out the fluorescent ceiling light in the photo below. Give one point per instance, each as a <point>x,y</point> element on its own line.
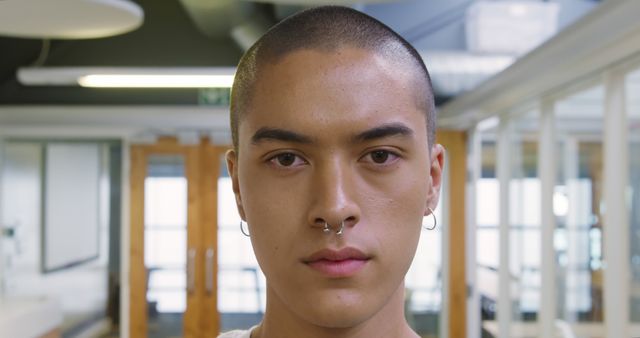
<point>155,81</point>
<point>211,77</point>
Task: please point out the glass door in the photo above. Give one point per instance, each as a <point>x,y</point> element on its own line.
<point>242,285</point>
<point>165,245</point>
<point>173,240</point>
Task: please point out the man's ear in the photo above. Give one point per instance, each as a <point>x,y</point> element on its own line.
<point>435,177</point>
<point>232,168</point>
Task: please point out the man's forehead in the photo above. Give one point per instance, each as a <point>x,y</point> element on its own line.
<point>394,58</point>
<point>301,67</point>
<point>297,68</point>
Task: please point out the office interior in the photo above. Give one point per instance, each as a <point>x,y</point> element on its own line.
<point>117,217</point>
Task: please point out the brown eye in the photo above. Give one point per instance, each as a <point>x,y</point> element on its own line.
<point>380,156</point>
<point>286,159</point>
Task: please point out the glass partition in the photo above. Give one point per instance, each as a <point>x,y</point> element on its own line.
<point>424,279</point>
<point>633,198</point>
<point>524,220</point>
<point>576,203</point>
<point>487,221</point>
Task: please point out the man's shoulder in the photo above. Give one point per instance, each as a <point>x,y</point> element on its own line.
<point>236,334</point>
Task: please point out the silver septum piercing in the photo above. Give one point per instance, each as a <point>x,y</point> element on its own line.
<point>327,229</point>
<point>435,221</point>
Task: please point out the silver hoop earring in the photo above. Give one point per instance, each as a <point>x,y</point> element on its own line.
<point>435,221</point>
<point>242,230</point>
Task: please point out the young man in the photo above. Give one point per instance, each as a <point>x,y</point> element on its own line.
<point>334,167</point>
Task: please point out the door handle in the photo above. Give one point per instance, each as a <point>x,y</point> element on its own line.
<point>191,266</point>
<point>210,263</point>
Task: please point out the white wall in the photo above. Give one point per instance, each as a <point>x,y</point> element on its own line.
<point>81,290</point>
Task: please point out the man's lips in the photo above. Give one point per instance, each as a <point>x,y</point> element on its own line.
<point>341,263</point>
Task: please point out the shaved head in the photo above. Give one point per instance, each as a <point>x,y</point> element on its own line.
<point>328,29</point>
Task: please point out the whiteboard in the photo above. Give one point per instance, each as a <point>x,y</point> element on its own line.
<point>71,205</point>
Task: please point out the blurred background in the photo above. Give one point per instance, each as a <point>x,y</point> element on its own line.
<point>117,217</point>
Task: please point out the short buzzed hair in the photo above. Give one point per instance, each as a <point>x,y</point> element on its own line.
<point>327,28</point>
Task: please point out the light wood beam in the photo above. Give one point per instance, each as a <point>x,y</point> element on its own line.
<point>455,143</point>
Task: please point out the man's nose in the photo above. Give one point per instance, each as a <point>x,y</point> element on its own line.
<point>334,196</point>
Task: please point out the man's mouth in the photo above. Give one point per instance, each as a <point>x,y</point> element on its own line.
<point>342,263</point>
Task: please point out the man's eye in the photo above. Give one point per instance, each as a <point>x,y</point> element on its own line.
<point>379,156</point>
<point>286,160</point>
<point>382,156</point>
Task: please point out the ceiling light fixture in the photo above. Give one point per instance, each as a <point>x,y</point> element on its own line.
<point>155,81</point>
<point>212,77</point>
<point>68,19</point>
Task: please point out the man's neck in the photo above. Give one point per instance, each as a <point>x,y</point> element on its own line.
<point>389,321</point>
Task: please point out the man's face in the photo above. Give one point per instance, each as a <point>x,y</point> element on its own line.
<point>333,137</point>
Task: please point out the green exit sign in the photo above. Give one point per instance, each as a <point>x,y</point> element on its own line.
<point>214,97</point>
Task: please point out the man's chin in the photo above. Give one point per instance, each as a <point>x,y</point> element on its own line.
<point>338,312</point>
<point>339,322</point>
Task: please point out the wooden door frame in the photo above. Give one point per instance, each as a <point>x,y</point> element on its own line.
<point>201,170</point>
<point>455,143</point>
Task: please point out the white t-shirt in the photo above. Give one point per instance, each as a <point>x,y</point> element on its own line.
<point>236,334</point>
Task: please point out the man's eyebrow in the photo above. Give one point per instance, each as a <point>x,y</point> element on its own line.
<point>277,134</point>
<point>386,130</point>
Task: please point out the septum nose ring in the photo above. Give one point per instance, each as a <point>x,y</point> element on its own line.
<point>327,228</point>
